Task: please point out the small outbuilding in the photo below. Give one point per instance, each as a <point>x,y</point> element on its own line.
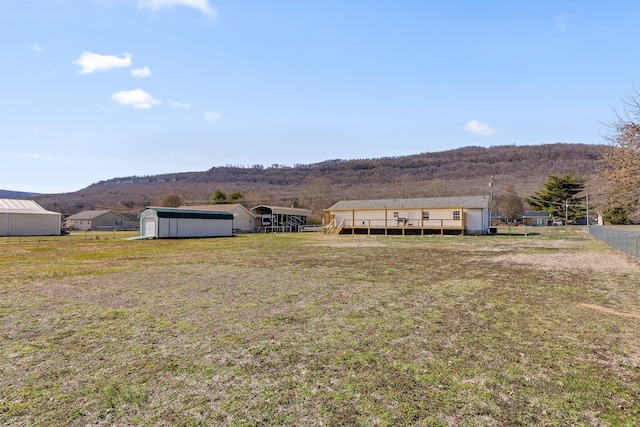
<point>243,220</point>
<point>161,222</point>
<point>27,218</point>
<point>97,220</point>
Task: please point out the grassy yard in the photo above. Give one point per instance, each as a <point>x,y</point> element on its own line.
<point>310,329</point>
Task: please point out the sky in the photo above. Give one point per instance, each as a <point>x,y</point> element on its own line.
<point>99,89</point>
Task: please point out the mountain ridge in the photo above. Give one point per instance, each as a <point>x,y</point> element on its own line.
<point>460,171</point>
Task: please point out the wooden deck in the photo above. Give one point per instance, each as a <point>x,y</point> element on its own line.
<point>402,230</point>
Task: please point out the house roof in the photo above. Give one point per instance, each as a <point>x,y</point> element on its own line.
<point>90,215</point>
<point>261,209</point>
<point>22,206</point>
<point>227,207</point>
<point>468,202</point>
<point>163,212</point>
<point>536,215</point>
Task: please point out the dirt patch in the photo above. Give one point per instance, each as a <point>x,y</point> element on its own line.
<point>569,258</point>
<point>334,241</point>
<point>610,311</point>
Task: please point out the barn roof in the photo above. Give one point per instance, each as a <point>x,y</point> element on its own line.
<point>22,206</point>
<point>89,215</point>
<point>163,212</point>
<point>536,215</point>
<point>227,207</point>
<point>467,202</point>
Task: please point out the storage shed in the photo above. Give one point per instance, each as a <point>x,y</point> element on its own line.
<point>161,222</point>
<point>437,215</point>
<point>27,218</point>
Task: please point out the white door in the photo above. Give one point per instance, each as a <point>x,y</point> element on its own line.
<point>149,228</point>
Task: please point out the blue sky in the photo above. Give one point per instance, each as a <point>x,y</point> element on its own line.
<point>98,89</point>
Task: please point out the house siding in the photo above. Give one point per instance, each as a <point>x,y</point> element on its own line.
<point>408,215</point>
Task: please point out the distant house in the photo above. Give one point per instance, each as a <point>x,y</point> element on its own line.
<point>243,220</point>
<point>536,218</point>
<point>160,222</point>
<point>27,218</point>
<point>280,219</point>
<point>438,215</point>
<point>96,220</point>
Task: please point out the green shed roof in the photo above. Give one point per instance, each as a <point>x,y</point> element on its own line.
<point>163,212</point>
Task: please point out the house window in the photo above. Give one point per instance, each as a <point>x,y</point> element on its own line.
<point>395,215</point>
<point>425,215</point>
<point>456,215</point>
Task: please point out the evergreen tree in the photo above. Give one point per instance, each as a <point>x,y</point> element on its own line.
<point>560,197</point>
<point>235,196</point>
<point>219,197</point>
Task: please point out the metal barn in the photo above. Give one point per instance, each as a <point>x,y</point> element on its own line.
<point>27,218</point>
<point>161,222</point>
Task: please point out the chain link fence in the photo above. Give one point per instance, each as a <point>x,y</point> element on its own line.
<point>622,240</point>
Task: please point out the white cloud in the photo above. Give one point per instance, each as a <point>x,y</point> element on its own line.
<point>137,98</point>
<point>141,72</point>
<point>211,117</point>
<point>34,47</point>
<point>177,104</point>
<point>92,62</point>
<point>40,156</point>
<point>201,5</point>
<point>477,128</point>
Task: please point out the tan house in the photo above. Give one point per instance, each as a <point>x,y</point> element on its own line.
<point>97,220</point>
<point>243,220</point>
<point>438,215</point>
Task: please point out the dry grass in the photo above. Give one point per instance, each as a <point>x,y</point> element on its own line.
<point>309,329</point>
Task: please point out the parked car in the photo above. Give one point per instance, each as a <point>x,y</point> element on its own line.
<point>557,221</point>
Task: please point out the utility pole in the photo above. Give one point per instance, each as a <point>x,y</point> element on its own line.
<point>588,223</point>
<point>491,180</point>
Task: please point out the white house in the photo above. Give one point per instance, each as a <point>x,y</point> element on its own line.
<point>27,218</point>
<point>163,222</point>
<point>437,215</point>
<point>100,220</point>
<point>243,220</point>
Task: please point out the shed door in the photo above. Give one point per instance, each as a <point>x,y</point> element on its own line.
<point>149,228</point>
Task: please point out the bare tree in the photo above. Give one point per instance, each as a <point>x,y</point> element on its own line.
<point>621,172</point>
<point>404,186</point>
<point>510,204</point>
<point>173,200</point>
<point>317,193</point>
